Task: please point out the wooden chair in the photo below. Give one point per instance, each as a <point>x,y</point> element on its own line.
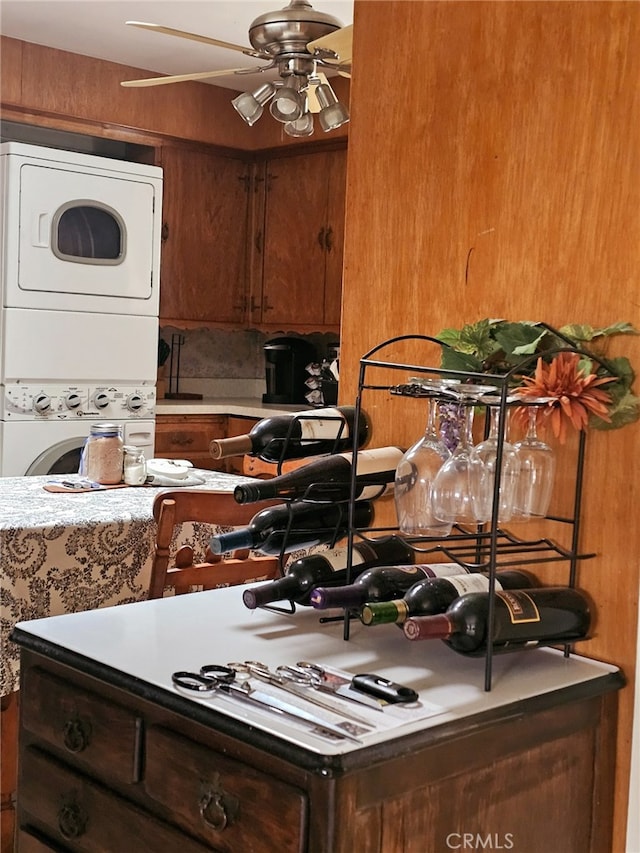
<point>178,506</point>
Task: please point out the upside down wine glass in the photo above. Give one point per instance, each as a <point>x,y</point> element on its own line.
<point>415,475</point>
<point>453,487</point>
<point>536,469</point>
<point>484,457</point>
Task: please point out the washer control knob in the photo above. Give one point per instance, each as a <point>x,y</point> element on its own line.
<point>101,399</point>
<point>42,402</point>
<point>134,402</point>
<point>73,400</point>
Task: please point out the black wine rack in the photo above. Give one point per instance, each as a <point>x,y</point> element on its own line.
<point>483,547</point>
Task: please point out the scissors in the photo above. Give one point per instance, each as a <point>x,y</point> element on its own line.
<point>327,682</point>
<point>374,686</point>
<point>299,684</point>
<point>214,677</point>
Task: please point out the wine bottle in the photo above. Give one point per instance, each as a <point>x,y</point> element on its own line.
<point>434,595</point>
<point>522,618</point>
<point>382,583</point>
<point>292,525</point>
<point>299,434</point>
<point>328,567</point>
<point>329,478</point>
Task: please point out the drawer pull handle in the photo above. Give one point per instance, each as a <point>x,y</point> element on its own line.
<point>77,735</point>
<point>181,440</point>
<point>72,820</point>
<point>213,811</point>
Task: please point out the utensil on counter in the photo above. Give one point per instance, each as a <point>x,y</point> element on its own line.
<point>214,677</point>
<point>300,686</point>
<point>333,684</point>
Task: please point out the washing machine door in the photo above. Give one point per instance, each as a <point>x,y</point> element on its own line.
<point>62,458</point>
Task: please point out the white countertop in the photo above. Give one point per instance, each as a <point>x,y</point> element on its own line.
<point>147,641</point>
<point>249,407</point>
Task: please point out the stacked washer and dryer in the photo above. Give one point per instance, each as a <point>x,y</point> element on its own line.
<point>80,262</point>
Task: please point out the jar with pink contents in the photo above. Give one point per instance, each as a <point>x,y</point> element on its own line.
<point>103,454</point>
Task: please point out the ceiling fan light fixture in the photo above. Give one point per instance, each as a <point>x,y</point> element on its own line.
<point>288,103</point>
<point>302,126</point>
<point>332,113</point>
<point>249,105</point>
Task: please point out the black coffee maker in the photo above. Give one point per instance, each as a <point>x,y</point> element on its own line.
<point>285,363</point>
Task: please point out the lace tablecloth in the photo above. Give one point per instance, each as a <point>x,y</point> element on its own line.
<point>66,552</point>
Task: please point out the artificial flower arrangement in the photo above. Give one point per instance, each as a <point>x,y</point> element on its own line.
<point>580,385</point>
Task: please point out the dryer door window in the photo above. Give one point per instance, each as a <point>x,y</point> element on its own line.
<point>88,233</point>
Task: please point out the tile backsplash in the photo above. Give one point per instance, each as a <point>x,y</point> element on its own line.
<point>220,363</point>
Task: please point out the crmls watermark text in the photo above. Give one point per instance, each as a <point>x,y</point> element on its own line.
<point>479,841</point>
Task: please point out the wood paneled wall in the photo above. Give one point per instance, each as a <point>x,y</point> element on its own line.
<point>45,86</point>
<point>494,171</point>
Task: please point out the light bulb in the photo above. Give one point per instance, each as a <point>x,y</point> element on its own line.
<point>249,105</point>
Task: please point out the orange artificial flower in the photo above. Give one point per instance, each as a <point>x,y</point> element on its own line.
<point>574,392</point>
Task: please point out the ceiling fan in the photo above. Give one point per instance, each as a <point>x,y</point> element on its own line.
<point>297,41</point>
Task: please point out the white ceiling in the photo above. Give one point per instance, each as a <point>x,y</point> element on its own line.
<point>97,28</point>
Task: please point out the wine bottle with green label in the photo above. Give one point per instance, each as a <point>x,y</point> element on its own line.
<point>434,595</point>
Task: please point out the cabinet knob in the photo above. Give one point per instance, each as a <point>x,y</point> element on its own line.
<point>164,233</point>
<point>321,238</point>
<point>213,811</point>
<point>77,734</point>
<point>266,306</point>
<point>72,820</point>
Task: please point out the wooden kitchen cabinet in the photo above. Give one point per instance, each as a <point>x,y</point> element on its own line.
<point>105,765</point>
<point>203,269</point>
<point>297,244</point>
<point>189,436</point>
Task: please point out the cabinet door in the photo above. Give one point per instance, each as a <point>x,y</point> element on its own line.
<point>202,274</point>
<point>294,252</point>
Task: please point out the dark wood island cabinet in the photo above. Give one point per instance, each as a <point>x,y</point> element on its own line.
<point>112,757</point>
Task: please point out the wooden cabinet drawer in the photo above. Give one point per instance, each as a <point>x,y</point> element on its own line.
<point>222,801</point>
<point>30,842</point>
<point>188,437</point>
<point>94,734</point>
<point>81,815</point>
<point>188,433</point>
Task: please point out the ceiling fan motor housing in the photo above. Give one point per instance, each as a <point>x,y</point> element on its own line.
<point>285,34</point>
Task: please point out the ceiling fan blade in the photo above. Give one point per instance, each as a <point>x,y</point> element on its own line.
<point>169,31</point>
<point>339,42</point>
<point>181,78</point>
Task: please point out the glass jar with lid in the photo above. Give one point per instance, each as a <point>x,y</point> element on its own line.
<point>135,466</point>
<point>103,454</point>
